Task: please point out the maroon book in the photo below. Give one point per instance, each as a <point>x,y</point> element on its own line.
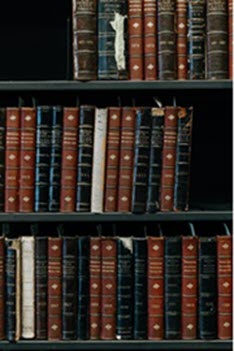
<point>95,288</point>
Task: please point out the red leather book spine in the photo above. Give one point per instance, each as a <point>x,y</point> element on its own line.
<point>224,268</point>
<point>155,288</point>
<point>181,27</point>
<point>108,283</point>
<point>189,287</point>
<point>2,288</point>
<point>112,159</point>
<point>135,39</point>
<point>69,159</point>
<point>127,138</point>
<point>12,159</point>
<point>150,41</point>
<point>54,307</point>
<point>95,287</point>
<point>230,36</point>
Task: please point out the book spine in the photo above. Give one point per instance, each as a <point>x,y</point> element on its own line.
<point>2,289</point>
<point>112,159</point>
<point>181,28</point>
<point>141,159</point>
<point>183,159</point>
<point>230,37</point>
<point>155,159</point>
<point>2,156</point>
<point>150,40</point>
<point>127,136</point>
<point>155,277</point>
<point>95,288</point>
<point>84,39</point>
<point>69,159</point>
<point>99,155</point>
<point>135,39</point>
<point>12,159</point>
<point>172,278</point>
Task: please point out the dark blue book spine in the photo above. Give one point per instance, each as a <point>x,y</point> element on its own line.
<point>2,155</point>
<point>10,292</point>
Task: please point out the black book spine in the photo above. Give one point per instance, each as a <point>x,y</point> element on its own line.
<point>2,156</point>
<point>10,292</point>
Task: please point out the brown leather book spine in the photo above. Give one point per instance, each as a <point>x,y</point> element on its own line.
<point>95,288</point>
<point>150,41</point>
<point>181,27</point>
<point>230,37</point>
<point>127,138</point>
<point>54,308</point>
<point>189,288</point>
<point>224,269</point>
<point>155,288</point>
<point>69,159</point>
<point>135,39</point>
<point>112,159</point>
<point>168,158</point>
<point>2,288</point>
<point>12,159</point>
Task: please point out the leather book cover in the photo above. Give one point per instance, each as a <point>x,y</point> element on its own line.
<point>168,159</point>
<point>124,293</point>
<point>224,284</point>
<point>69,159</point>
<point>2,288</point>
<point>155,159</point>
<point>172,262</point>
<point>95,288</point>
<point>135,39</point>
<point>217,39</point>
<point>155,276</point>
<point>207,288</point>
<point>166,18</point>
<point>196,39</point>
<point>112,39</point>
<point>12,159</point>
<point>150,39</point>
<point>126,157</point>
<point>84,39</point>
<point>27,159</point>
<point>140,293</point>
<point>2,155</point>
<point>181,29</point>
<point>189,287</point>
<point>183,159</point>
<point>230,38</point>
<point>108,288</point>
<point>85,158</point>
<point>69,288</point>
<point>141,159</point>
<point>112,158</point>
<point>54,307</point>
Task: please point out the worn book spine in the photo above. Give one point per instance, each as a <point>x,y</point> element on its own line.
<point>224,284</point>
<point>84,39</point>
<point>95,288</point>
<point>155,276</point>
<point>230,37</point>
<point>189,287</point>
<point>207,288</point>
<point>112,159</point>
<point>172,261</point>
<point>135,39</point>
<point>2,155</point>
<point>112,39</point>
<point>2,289</point>
<point>27,159</point>
<point>150,40</point>
<point>126,157</point>
<point>181,28</point>
<point>183,159</point>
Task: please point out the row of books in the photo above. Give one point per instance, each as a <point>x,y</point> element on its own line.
<point>125,159</point>
<point>152,39</point>
<point>116,287</point>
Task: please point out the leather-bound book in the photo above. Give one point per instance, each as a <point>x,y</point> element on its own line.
<point>217,39</point>
<point>189,287</point>
<point>196,39</point>
<point>230,37</point>
<point>181,28</point>
<point>69,159</point>
<point>2,289</point>
<point>183,159</point>
<point>207,288</point>
<point>168,159</point>
<point>155,159</point>
<point>55,159</point>
<point>150,40</point>
<point>69,288</point>
<point>85,158</point>
<point>124,293</point>
<point>108,288</point>
<point>112,159</point>
<point>112,39</point>
<point>54,307</point>
<point>172,309</point>
<point>224,280</point>
<point>2,155</point>
<point>140,328</point>
<point>12,159</point>
<point>84,39</point>
<point>95,288</point>
<point>135,39</point>
<point>141,159</point>
<point>166,39</point>
<point>126,157</point>
<point>155,277</point>
<point>27,159</point>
